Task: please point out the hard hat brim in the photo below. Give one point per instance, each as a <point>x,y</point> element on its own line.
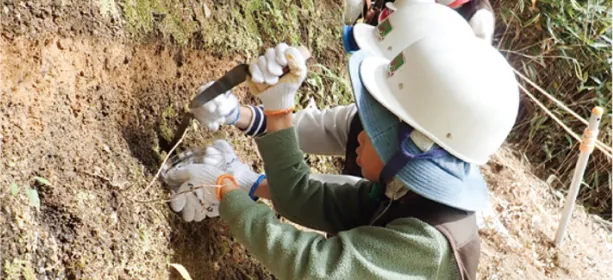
<point>447,180</point>
<point>364,36</point>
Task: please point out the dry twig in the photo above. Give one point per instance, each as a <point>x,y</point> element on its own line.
<point>159,200</point>
<point>558,121</point>
<point>157,174</point>
<point>561,105</point>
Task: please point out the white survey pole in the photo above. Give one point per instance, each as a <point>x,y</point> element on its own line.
<point>586,147</point>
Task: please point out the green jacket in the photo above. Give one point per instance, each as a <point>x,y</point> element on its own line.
<point>406,248</point>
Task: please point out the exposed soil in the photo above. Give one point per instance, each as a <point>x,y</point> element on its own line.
<point>517,241</point>
<point>85,114</point>
<point>85,107</point>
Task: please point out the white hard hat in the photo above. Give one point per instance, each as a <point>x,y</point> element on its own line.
<point>412,20</point>
<point>353,10</point>
<point>457,90</point>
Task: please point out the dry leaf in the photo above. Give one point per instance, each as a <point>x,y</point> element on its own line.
<point>207,11</point>
<point>42,180</point>
<point>33,197</point>
<point>181,269</point>
<point>14,189</point>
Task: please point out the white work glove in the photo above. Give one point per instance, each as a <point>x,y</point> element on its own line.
<point>222,156</point>
<point>174,171</point>
<point>224,109</point>
<point>202,202</point>
<point>276,92</point>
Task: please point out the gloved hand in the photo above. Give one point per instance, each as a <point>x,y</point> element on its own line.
<point>222,156</point>
<point>276,92</point>
<point>174,172</point>
<point>203,200</point>
<point>224,109</point>
<point>200,170</point>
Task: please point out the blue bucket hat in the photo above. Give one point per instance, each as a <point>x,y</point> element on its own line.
<point>349,42</point>
<point>442,177</point>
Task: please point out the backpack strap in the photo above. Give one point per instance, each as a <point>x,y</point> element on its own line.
<point>351,165</point>
<point>459,227</point>
<point>464,243</point>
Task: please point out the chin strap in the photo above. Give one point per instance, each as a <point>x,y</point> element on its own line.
<point>402,156</point>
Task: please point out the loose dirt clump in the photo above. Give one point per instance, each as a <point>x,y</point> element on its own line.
<point>61,18</point>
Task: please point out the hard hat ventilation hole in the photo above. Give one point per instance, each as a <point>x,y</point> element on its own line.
<point>400,86</point>
<point>449,136</point>
<point>389,48</point>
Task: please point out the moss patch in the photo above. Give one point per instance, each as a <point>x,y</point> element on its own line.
<point>247,28</point>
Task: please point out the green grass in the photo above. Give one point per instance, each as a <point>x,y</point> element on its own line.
<point>177,20</point>
<point>565,47</point>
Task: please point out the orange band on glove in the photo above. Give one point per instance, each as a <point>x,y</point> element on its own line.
<point>220,182</point>
<point>279,112</point>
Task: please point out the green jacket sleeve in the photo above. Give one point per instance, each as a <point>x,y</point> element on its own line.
<point>325,207</point>
<point>404,249</point>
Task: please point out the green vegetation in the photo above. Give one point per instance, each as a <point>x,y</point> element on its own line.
<point>170,17</point>
<point>247,27</point>
<point>565,47</point>
<point>18,269</point>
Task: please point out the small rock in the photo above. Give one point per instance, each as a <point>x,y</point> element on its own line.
<point>114,218</point>
<point>207,11</point>
<point>5,10</point>
<point>67,238</point>
<point>60,45</point>
<point>37,13</point>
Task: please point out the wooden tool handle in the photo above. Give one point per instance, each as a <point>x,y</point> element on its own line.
<point>304,52</point>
